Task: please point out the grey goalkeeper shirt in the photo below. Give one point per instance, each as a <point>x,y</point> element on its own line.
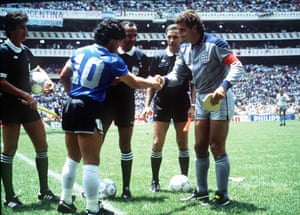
<point>211,64</point>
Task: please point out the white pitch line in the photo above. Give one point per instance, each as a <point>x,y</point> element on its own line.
<point>77,187</point>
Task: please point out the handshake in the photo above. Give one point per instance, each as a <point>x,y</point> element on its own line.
<point>157,82</point>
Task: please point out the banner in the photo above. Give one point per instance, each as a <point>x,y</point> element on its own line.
<point>42,17</point>
<point>107,14</point>
<point>270,117</point>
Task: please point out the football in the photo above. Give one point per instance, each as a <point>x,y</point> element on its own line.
<point>107,188</point>
<point>38,79</point>
<point>180,183</point>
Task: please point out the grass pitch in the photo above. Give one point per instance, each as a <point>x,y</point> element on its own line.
<point>264,155</point>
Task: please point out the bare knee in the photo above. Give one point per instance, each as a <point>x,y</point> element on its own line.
<point>125,147</point>
<point>201,150</point>
<point>217,149</point>
<point>157,146</point>
<point>41,147</point>
<point>182,144</point>
<point>9,150</point>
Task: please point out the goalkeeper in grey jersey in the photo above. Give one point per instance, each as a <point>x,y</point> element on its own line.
<point>214,70</point>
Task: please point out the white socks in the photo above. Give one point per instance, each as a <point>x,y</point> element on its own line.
<point>90,183</point>
<point>68,179</point>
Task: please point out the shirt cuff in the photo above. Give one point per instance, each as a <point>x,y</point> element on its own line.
<point>226,84</point>
<point>166,81</point>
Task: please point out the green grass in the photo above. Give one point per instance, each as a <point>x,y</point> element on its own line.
<point>266,155</point>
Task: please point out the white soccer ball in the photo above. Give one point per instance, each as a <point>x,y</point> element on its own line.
<point>180,183</point>
<point>102,186</point>
<point>38,80</point>
<point>107,188</point>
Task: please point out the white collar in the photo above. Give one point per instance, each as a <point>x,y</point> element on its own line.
<point>169,53</point>
<point>130,52</point>
<point>13,47</point>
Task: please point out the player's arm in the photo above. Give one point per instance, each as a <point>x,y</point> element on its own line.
<point>180,72</point>
<point>138,82</point>
<point>233,64</point>
<point>66,76</point>
<point>235,71</point>
<point>149,95</point>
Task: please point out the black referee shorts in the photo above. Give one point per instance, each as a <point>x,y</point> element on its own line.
<point>178,113</point>
<point>13,111</point>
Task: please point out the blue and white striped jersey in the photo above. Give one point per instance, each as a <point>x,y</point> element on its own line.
<point>210,61</point>
<point>94,68</point>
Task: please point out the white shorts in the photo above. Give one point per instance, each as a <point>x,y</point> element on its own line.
<point>225,112</point>
<point>282,107</point>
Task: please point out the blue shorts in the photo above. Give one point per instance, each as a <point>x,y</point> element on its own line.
<point>225,112</point>
<point>80,115</point>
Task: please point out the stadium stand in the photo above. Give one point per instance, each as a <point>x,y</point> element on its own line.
<point>163,5</point>
<point>264,34</point>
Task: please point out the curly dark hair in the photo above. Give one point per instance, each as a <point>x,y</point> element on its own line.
<point>108,29</point>
<point>12,20</point>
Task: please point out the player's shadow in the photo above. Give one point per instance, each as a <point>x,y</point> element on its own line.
<point>179,209</point>
<point>41,206</point>
<point>187,193</point>
<point>238,207</point>
<point>166,191</point>
<point>235,207</point>
<point>141,199</point>
<point>36,206</point>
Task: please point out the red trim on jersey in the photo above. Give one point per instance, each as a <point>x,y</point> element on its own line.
<point>230,59</point>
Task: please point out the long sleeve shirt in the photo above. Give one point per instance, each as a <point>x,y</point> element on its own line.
<point>211,63</point>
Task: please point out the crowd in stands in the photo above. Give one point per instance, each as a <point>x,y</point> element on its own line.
<point>173,6</point>
<point>53,101</point>
<point>154,45</point>
<point>267,44</point>
<point>255,94</point>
